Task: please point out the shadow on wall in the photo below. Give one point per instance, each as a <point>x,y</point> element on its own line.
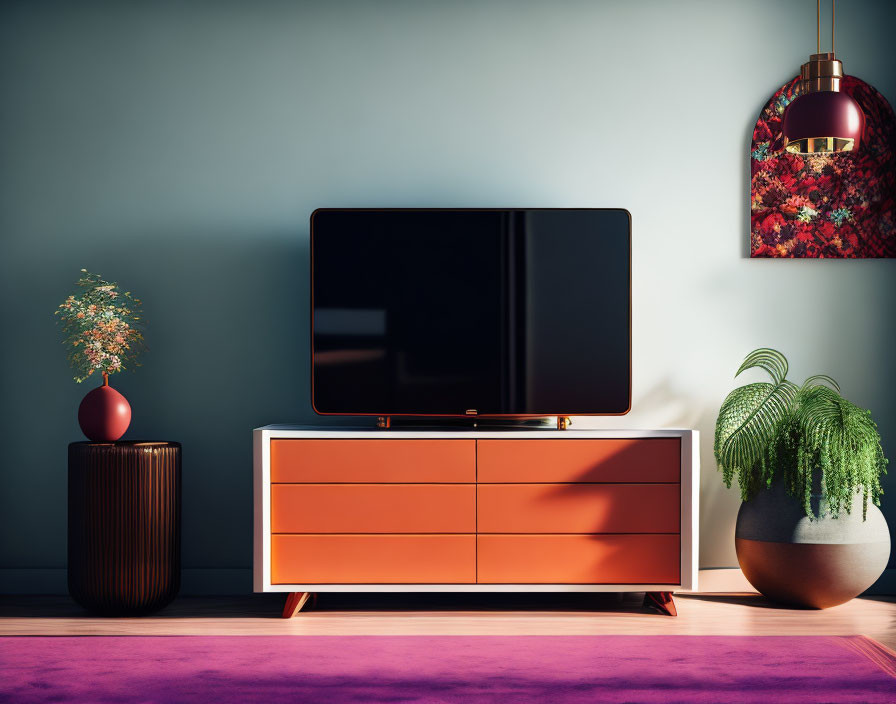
<point>718,504</point>
<point>680,407</point>
<point>226,329</point>
<point>670,405</point>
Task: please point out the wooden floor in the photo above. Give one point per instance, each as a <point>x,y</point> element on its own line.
<point>458,614</point>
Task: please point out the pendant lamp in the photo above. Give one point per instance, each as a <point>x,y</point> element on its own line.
<point>822,120</point>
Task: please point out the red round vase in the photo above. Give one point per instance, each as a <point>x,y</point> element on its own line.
<point>104,415</point>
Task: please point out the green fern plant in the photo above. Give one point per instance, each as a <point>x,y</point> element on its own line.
<point>778,430</point>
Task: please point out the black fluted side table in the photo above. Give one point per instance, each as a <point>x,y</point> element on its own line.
<point>123,525</point>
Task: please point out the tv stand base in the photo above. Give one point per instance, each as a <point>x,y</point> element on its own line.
<point>661,602</point>
<point>295,601</point>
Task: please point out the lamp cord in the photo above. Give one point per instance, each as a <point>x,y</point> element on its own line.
<point>818,24</point>
<point>833,8</point>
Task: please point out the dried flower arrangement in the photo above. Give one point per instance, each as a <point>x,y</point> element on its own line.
<point>101,327</point>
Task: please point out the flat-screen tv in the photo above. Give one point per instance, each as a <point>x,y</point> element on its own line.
<point>471,312</point>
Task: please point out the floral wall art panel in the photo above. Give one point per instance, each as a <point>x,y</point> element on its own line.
<point>837,205</point>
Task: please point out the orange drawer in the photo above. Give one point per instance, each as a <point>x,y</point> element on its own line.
<point>398,461</point>
<point>579,508</point>
<point>373,559</point>
<point>578,559</point>
<point>373,508</point>
<point>615,460</point>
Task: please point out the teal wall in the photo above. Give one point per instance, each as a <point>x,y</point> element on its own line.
<point>179,147</point>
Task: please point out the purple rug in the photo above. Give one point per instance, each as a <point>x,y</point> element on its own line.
<point>469,669</point>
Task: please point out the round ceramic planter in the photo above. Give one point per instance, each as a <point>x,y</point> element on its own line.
<point>813,563</point>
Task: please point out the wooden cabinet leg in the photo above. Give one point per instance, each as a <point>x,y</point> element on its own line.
<point>660,601</point>
<point>294,603</point>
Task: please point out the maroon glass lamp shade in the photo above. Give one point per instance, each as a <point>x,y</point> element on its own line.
<point>822,120</point>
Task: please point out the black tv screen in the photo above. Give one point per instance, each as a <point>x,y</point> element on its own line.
<point>471,312</point>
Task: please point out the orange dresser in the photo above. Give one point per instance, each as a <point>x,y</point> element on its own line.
<point>541,510</point>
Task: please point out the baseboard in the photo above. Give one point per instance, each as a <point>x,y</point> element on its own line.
<point>33,581</point>
<point>226,582</point>
<point>215,582</point>
<point>723,579</point>
<point>731,579</point>
<point>194,581</point>
<point>885,586</point>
